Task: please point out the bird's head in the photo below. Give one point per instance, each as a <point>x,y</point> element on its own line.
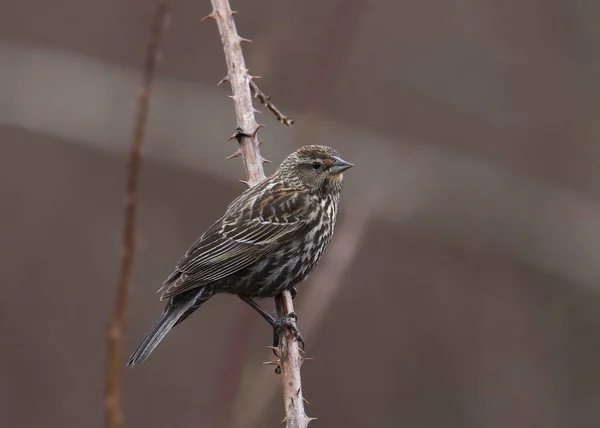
<point>318,168</point>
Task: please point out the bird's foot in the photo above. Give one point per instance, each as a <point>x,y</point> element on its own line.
<point>288,322</point>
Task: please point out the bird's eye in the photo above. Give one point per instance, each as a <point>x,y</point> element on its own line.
<point>316,165</point>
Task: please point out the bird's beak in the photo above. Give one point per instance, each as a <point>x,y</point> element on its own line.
<point>340,165</point>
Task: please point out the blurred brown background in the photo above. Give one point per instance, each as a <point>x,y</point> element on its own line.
<point>467,250</point>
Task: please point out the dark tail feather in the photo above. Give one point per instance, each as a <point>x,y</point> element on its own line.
<point>164,324</point>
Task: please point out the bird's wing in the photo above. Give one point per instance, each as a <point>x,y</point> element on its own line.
<point>250,229</point>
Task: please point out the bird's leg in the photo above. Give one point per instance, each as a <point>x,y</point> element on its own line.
<point>293,292</point>
<point>277,324</point>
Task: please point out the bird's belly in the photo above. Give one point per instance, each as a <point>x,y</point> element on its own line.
<point>280,271</point>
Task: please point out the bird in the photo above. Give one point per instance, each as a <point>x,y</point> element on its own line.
<point>270,238</point>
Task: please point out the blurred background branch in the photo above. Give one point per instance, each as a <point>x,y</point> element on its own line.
<point>114,343</point>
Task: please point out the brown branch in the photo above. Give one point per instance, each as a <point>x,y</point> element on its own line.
<point>114,341</point>
<point>240,84</point>
<point>290,363</point>
<point>266,100</point>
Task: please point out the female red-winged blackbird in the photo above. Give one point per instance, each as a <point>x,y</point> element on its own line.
<point>269,240</point>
